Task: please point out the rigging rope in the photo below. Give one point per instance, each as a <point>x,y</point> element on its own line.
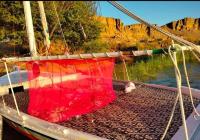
<point>187,78</point>
<point>195,55</point>
<point>18,69</point>
<point>115,74</point>
<point>188,83</point>
<point>99,7</point>
<point>179,82</point>
<point>174,37</point>
<point>11,87</point>
<point>124,63</point>
<point>177,72</point>
<point>4,104</point>
<point>170,119</point>
<point>66,47</point>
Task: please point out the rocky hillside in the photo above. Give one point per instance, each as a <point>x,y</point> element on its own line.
<point>187,24</point>
<point>139,35</point>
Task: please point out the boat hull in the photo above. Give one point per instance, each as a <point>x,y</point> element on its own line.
<point>29,134</point>
<point>35,128</point>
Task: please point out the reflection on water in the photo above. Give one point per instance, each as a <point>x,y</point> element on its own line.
<point>160,70</point>
<point>167,77</point>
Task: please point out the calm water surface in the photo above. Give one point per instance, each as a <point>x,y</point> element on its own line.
<point>167,77</point>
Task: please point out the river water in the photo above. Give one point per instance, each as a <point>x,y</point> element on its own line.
<point>167,77</point>
<point>160,70</point>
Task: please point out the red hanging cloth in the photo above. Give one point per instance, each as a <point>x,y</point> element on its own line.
<point>61,89</point>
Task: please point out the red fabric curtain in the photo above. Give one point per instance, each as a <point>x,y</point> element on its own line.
<point>61,89</point>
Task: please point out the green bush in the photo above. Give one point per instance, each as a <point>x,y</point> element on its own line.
<point>75,17</point>
<point>95,46</point>
<point>147,69</point>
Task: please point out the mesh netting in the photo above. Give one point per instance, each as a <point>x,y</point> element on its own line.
<point>61,89</point>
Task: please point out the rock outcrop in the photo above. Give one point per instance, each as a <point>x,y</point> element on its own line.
<point>185,24</point>
<point>113,31</point>
<point>110,26</point>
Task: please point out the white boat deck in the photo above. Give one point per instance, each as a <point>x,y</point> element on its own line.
<point>17,78</point>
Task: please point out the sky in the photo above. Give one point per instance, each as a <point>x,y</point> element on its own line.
<point>155,12</point>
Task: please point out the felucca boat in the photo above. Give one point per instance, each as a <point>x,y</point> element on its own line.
<point>75,97</point>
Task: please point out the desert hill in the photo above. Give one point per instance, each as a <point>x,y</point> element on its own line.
<point>116,34</point>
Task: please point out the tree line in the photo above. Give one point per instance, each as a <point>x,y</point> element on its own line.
<point>76,18</point>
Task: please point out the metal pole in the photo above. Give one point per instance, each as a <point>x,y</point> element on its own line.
<point>44,25</point>
<point>90,55</point>
<point>180,98</point>
<point>29,28</point>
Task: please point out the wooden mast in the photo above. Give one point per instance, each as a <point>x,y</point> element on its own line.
<point>44,25</point>
<point>29,28</point>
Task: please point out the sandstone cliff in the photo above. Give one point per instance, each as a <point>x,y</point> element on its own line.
<point>115,33</point>
<point>185,24</point>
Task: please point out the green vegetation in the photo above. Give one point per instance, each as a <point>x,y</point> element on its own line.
<point>95,46</point>
<point>147,68</point>
<point>76,19</point>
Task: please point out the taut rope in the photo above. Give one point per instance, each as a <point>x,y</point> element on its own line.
<point>174,37</point>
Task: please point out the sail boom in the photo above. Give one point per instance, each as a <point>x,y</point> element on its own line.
<point>95,55</point>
